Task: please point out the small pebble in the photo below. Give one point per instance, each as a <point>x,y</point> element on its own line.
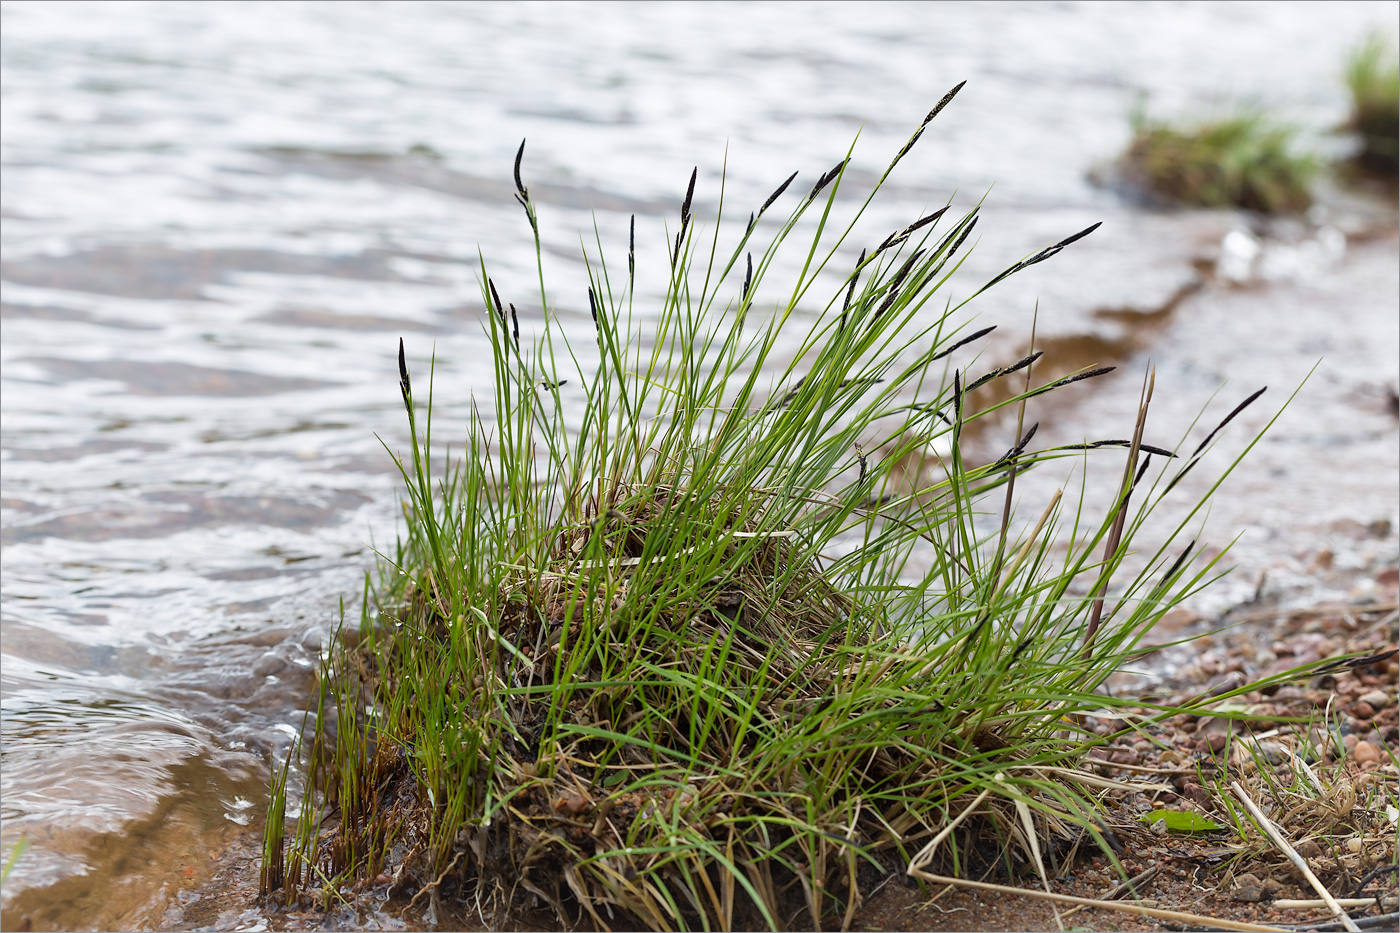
<point>1249,888</point>
<point>1376,698</point>
<point>1216,742</point>
<point>1349,742</point>
<point>1362,710</point>
<point>1364,752</point>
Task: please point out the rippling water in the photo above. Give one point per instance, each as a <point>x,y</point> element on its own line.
<point>219,218</point>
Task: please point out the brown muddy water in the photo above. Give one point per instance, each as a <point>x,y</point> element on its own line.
<point>218,219</point>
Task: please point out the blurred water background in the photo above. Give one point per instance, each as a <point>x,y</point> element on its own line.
<point>218,219</point>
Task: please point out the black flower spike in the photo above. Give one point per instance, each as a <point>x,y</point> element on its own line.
<point>1178,563</point>
<point>551,386</point>
<point>980,381</point>
<point>515,326</point>
<point>522,194</point>
<point>907,146</point>
<point>850,291</point>
<point>1020,445</point>
<point>894,239</point>
<point>500,309</point>
<point>962,237</point>
<point>405,386</point>
<point>748,279</point>
<point>1095,445</point>
<point>1142,471</point>
<point>1022,363</point>
<point>1078,236</point>
<point>1025,440</point>
<point>826,179</point>
<point>749,228</point>
<point>938,107</point>
<point>632,248</point>
<point>1080,377</point>
<point>1228,418</point>
<point>964,342</point>
<point>777,194</point>
<point>947,99</point>
<point>689,196</point>
<point>521,190</point>
<point>1043,254</point>
<point>893,294</point>
<point>1025,643</point>
<point>593,307</point>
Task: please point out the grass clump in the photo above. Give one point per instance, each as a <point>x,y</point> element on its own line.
<point>680,642</point>
<point>1373,77</point>
<point>1239,161</point>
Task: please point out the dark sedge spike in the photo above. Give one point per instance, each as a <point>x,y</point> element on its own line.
<point>925,221</point>
<point>966,231</point>
<point>860,455</point>
<point>1095,445</point>
<point>893,294</point>
<point>851,290</point>
<point>980,381</point>
<point>500,310</point>
<point>826,179</point>
<point>1022,363</point>
<point>689,196</point>
<point>1027,439</point>
<point>1078,236</point>
<point>1025,643</point>
<point>909,145</point>
<point>1177,564</point>
<point>520,185</point>
<point>1142,470</point>
<point>1020,446</point>
<point>593,307</point>
<point>632,248</point>
<point>1045,253</point>
<point>964,342</point>
<point>550,386</point>
<point>515,325</point>
<point>894,239</point>
<point>1080,377</point>
<point>958,231</point>
<point>405,386</point>
<point>748,279</point>
<point>938,108</point>
<point>777,194</point>
<point>1230,417</point>
<point>957,398</point>
<point>749,228</point>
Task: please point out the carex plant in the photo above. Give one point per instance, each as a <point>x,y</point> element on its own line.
<point>676,641</point>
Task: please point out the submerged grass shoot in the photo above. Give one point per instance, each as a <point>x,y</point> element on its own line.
<point>689,647</point>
